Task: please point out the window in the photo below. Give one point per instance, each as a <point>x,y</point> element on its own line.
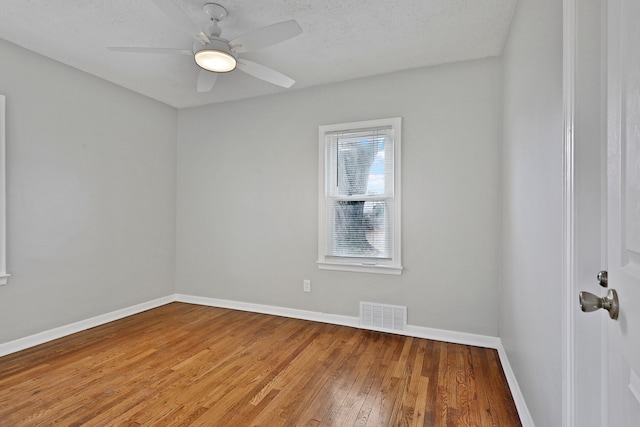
<point>359,197</point>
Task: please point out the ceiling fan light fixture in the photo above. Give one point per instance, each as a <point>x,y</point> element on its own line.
<point>215,56</point>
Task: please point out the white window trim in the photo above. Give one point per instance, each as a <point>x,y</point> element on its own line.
<point>3,197</point>
<point>392,266</point>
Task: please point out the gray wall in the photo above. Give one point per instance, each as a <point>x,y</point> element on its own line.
<point>247,197</point>
<point>531,272</point>
<point>91,195</point>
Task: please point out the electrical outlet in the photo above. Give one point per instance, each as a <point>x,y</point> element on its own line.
<point>306,285</point>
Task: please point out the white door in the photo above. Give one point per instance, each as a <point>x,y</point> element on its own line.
<point>623,213</point>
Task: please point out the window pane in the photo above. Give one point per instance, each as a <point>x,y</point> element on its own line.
<point>361,167</point>
<point>360,229</point>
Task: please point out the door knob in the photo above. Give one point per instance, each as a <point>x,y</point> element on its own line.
<point>591,302</point>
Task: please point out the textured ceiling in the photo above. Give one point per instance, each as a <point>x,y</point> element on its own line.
<point>341,40</point>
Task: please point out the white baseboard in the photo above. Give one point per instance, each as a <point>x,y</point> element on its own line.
<point>62,331</point>
<point>294,313</point>
<point>413,331</point>
<point>518,398</point>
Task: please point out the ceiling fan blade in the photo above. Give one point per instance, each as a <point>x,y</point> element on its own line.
<point>265,36</point>
<point>206,80</point>
<point>265,73</point>
<point>160,50</point>
<point>181,19</point>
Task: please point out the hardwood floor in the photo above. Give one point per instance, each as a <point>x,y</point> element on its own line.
<point>190,365</point>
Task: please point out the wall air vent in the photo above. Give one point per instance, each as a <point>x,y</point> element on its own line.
<point>383,316</point>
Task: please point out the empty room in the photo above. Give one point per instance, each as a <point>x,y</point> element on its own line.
<point>340,213</point>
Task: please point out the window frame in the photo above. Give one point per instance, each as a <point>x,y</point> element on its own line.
<point>391,265</point>
<point>4,276</point>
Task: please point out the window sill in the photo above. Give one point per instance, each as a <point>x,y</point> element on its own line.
<point>360,268</point>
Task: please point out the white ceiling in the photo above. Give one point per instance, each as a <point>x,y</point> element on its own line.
<point>341,40</point>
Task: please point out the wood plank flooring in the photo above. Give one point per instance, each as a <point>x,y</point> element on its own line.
<point>190,365</point>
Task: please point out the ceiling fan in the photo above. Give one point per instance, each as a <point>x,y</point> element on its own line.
<point>214,54</point>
